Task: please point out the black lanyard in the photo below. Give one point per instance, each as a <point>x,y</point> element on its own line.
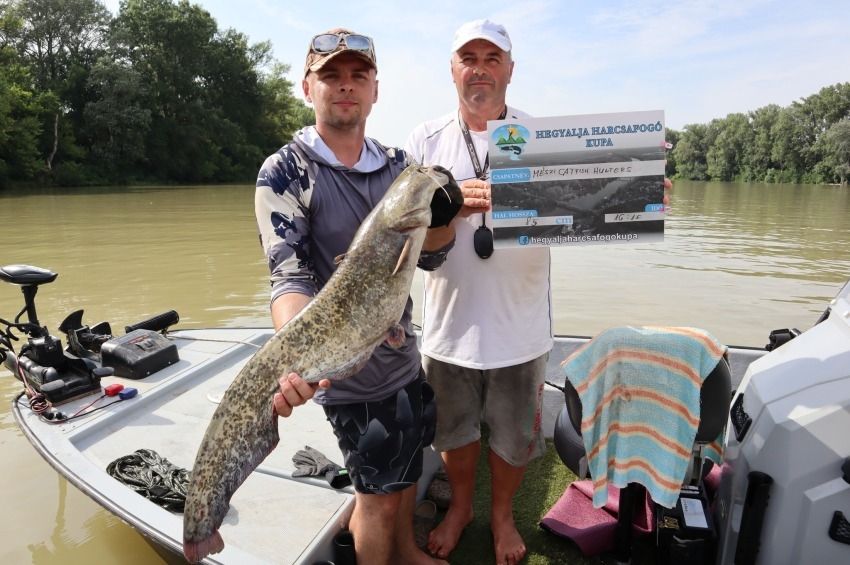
<point>482,239</point>
<point>473,155</point>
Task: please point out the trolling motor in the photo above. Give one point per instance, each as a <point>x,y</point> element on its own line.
<point>41,363</point>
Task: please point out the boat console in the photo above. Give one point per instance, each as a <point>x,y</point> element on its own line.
<point>784,493</point>
<point>61,375</point>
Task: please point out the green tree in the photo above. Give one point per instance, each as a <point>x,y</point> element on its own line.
<point>837,142</point>
<point>789,144</point>
<point>285,114</point>
<point>20,127</point>
<point>165,43</point>
<point>672,137</point>
<point>770,144</point>
<point>115,120</point>
<point>158,93</point>
<point>59,34</point>
<point>212,115</point>
<point>725,157</point>
<point>757,160</point>
<point>61,39</point>
<point>690,153</point>
<point>828,106</point>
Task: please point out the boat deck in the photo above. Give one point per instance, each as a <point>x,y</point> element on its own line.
<point>273,518</point>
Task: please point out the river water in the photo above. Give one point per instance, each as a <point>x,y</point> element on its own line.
<point>737,260</point>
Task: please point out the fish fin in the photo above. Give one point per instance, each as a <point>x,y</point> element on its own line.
<point>396,336</point>
<point>405,251</point>
<point>338,259</point>
<point>195,551</point>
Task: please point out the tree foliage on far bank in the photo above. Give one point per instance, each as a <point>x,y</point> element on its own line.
<point>156,93</point>
<point>806,142</point>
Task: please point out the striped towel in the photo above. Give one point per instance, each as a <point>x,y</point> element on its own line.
<point>639,389</point>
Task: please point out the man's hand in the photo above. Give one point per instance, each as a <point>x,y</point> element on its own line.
<point>294,391</point>
<point>476,197</point>
<point>668,186</point>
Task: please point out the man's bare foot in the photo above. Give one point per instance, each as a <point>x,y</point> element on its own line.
<point>444,537</point>
<point>507,543</point>
<point>419,557</point>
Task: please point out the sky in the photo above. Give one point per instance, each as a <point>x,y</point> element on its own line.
<point>694,59</point>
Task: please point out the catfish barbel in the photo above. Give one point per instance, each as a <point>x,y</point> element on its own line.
<point>331,338</point>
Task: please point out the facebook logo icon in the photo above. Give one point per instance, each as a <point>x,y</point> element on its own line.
<point>523,240</point>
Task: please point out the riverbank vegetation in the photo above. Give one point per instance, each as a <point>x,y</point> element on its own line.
<point>806,142</point>
<point>156,93</point>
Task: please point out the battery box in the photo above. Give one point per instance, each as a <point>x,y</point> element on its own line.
<point>685,533</point>
<point>138,354</point>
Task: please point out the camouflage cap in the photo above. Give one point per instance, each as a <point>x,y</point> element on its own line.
<point>317,59</point>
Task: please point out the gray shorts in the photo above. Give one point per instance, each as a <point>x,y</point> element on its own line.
<point>509,400</point>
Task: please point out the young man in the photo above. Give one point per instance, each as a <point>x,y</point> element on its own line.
<point>487,327</point>
<point>311,197</point>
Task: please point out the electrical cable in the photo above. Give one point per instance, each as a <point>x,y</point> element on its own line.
<point>57,417</point>
<point>38,402</point>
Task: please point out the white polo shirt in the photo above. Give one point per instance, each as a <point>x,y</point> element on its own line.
<point>480,313</point>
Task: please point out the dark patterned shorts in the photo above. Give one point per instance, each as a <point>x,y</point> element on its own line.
<point>382,441</point>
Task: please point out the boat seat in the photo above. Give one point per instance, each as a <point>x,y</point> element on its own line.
<point>715,396</point>
<point>26,275</point>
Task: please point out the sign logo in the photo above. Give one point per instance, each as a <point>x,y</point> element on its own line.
<point>510,138</point>
<point>523,240</point>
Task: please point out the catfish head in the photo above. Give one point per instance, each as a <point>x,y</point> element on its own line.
<point>419,196</point>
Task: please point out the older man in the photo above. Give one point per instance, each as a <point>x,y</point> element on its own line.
<point>487,327</point>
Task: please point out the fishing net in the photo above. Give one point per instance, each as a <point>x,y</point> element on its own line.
<point>152,476</point>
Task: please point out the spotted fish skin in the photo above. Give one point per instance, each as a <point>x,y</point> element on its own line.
<point>332,337</point>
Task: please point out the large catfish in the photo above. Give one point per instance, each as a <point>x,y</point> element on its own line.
<point>331,338</point>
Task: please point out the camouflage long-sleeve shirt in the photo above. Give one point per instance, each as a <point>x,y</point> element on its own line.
<point>308,208</point>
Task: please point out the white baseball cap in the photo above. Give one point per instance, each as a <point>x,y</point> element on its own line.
<point>482,29</point>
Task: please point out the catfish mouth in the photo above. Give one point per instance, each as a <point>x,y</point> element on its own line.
<point>445,181</point>
<point>413,220</point>
<point>437,174</point>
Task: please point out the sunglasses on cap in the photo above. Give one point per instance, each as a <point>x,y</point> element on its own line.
<point>329,42</point>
